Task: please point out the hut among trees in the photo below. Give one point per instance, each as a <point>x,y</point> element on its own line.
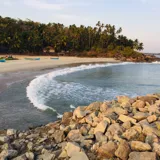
<point>49,49</point>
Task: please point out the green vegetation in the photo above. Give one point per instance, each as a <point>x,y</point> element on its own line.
<point>28,37</point>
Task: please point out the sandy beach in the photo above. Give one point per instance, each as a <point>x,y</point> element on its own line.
<point>47,63</point>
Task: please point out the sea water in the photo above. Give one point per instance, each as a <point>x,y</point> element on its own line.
<point>48,96</point>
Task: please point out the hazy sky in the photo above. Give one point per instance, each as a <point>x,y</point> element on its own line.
<point>138,18</point>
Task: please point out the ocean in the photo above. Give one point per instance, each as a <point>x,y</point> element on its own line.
<point>43,96</point>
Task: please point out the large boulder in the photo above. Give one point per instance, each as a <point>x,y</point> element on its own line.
<point>138,104</point>
<point>123,99</point>
<point>150,99</point>
<point>119,111</point>
<point>79,112</point>
<point>130,134</point>
<point>66,117</point>
<point>100,137</point>
<point>152,118</point>
<point>140,146</point>
<point>140,116</point>
<point>79,156</point>
<point>58,136</point>
<point>124,118</point>
<point>72,148</point>
<point>95,106</point>
<point>156,148</point>
<point>11,132</point>
<point>107,150</point>
<point>101,127</point>
<point>142,156</point>
<point>115,129</point>
<point>8,154</point>
<point>123,150</point>
<point>75,136</point>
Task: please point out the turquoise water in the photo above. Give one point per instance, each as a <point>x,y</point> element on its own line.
<point>36,101</point>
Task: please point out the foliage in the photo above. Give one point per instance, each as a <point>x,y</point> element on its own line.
<point>21,37</point>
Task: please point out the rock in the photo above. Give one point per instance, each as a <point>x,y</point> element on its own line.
<point>58,136</point>
<point>123,99</point>
<point>104,107</point>
<point>32,136</point>
<point>115,129</point>
<point>30,155</point>
<point>72,148</point>
<point>63,154</point>
<point>138,104</point>
<point>7,154</point>
<point>3,139</point>
<point>144,110</point>
<point>120,111</point>
<point>142,156</point>
<point>140,146</point>
<point>79,156</point>
<point>21,157</point>
<point>124,118</point>
<point>152,118</point>
<point>101,127</point>
<point>107,150</point>
<point>126,125</point>
<point>143,122</point>
<point>151,100</point>
<point>130,134</point>
<point>123,150</point>
<point>150,139</point>
<point>158,125</point>
<point>83,130</point>
<point>47,156</point>
<point>66,117</point>
<point>156,148</point>
<point>148,130</point>
<point>95,106</point>
<point>11,132</point>
<point>140,116</point>
<point>138,128</point>
<point>100,137</point>
<point>153,109</point>
<point>30,146</point>
<point>86,144</point>
<point>79,112</point>
<point>75,136</point>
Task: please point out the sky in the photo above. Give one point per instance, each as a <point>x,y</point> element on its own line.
<point>138,18</point>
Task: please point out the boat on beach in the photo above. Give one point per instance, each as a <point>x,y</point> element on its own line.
<point>34,59</point>
<point>55,58</point>
<point>2,60</point>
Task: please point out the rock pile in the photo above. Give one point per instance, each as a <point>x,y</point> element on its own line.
<point>126,128</point>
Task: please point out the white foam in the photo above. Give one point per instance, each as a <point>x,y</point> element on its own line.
<point>156,62</point>
<point>48,83</point>
<point>72,106</point>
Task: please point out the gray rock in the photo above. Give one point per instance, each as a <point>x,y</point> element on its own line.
<point>8,154</point>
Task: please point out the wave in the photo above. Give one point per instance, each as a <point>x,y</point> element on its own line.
<point>47,83</point>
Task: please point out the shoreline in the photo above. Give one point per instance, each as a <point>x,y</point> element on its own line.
<point>101,130</point>
<point>47,63</point>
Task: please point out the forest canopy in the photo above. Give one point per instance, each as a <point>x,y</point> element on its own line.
<point>19,36</point>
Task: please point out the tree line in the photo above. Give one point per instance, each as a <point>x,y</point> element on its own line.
<point>19,36</point>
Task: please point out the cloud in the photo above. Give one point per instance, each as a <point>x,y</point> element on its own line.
<point>43,4</point>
